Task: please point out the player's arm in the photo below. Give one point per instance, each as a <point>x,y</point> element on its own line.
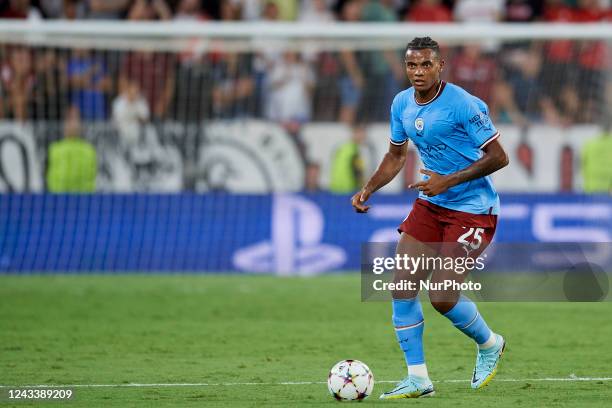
<point>493,159</point>
<point>391,164</point>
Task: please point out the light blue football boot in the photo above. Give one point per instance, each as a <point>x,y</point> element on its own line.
<point>487,362</point>
<point>411,387</point>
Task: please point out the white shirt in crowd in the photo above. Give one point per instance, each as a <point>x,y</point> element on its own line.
<point>482,11</point>
<point>251,9</point>
<point>316,11</point>
<point>289,90</point>
<point>128,116</point>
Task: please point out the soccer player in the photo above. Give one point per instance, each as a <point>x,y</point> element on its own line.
<point>457,204</point>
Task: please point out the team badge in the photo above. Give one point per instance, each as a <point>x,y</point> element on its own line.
<point>419,124</point>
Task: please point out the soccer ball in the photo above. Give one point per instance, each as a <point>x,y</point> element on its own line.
<point>350,380</point>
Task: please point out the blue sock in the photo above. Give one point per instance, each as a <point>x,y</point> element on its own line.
<point>466,318</point>
<point>409,324</point>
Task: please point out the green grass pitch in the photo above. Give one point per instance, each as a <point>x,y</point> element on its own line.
<point>246,329</point>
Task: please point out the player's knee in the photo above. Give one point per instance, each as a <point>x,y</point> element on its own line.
<point>443,307</point>
<point>441,301</point>
<point>404,294</point>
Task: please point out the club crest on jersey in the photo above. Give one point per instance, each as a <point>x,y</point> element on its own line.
<point>419,124</point>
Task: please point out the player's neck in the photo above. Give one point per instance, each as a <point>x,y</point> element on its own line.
<point>428,95</point>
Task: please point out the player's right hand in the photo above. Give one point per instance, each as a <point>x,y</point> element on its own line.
<point>359,199</point>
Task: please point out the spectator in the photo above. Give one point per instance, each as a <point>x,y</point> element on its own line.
<point>351,78</point>
<point>227,11</point>
<point>473,71</point>
<point>559,53</point>
<point>592,63</point>
<point>429,11</point>
<point>326,92</point>
<point>290,86</point>
<point>271,11</point>
<point>559,74</point>
<point>108,9</point>
<point>154,73</point>
<point>379,10</point>
<point>254,10</point>
<point>267,10</point>
<point>562,109</point>
<point>72,163</point>
<point>311,182</point>
<point>287,9</point>
<point>63,9</point>
<point>316,11</point>
<point>479,11</point>
<point>51,8</point>
<point>20,9</point>
<point>264,60</point>
<point>234,90</point>
<point>588,11</point>
<point>195,80</point>
<point>246,10</point>
<point>529,94</point>
<point>195,76</point>
<point>190,10</point>
<point>518,98</point>
<point>50,92</point>
<point>557,11</point>
<point>383,70</point>
<point>74,10</point>
<point>524,74</point>
<point>399,7</point>
<point>130,113</point>
<point>89,84</point>
<point>351,86</point>
<point>149,10</point>
<point>17,82</point>
<point>523,11</point>
<point>596,169</point>
<point>347,173</point>
<point>251,10</point>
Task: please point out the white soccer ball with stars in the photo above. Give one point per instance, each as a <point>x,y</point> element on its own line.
<point>350,380</point>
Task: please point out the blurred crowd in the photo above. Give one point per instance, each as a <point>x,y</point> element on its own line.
<point>312,10</point>
<point>558,82</point>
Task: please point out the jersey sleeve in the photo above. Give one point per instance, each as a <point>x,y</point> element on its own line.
<point>398,135</point>
<point>474,117</point>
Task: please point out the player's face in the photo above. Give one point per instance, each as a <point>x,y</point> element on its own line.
<point>423,68</point>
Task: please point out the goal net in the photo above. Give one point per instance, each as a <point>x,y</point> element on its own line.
<point>172,87</point>
<point>256,108</point>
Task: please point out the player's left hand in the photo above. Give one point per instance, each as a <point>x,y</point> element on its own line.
<point>434,185</point>
<point>359,199</point>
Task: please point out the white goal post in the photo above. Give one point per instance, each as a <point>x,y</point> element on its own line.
<point>121,34</point>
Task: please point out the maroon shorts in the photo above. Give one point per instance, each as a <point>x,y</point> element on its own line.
<point>431,223</point>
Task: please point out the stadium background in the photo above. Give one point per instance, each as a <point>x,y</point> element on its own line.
<point>215,151</point>
<point>132,144</point>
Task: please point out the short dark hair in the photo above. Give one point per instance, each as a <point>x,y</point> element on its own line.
<point>423,43</point>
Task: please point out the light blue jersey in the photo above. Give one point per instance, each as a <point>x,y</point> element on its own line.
<point>449,132</point>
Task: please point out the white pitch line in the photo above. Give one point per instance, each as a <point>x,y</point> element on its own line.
<point>160,385</point>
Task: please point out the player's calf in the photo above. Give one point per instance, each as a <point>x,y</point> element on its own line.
<point>465,317</point>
